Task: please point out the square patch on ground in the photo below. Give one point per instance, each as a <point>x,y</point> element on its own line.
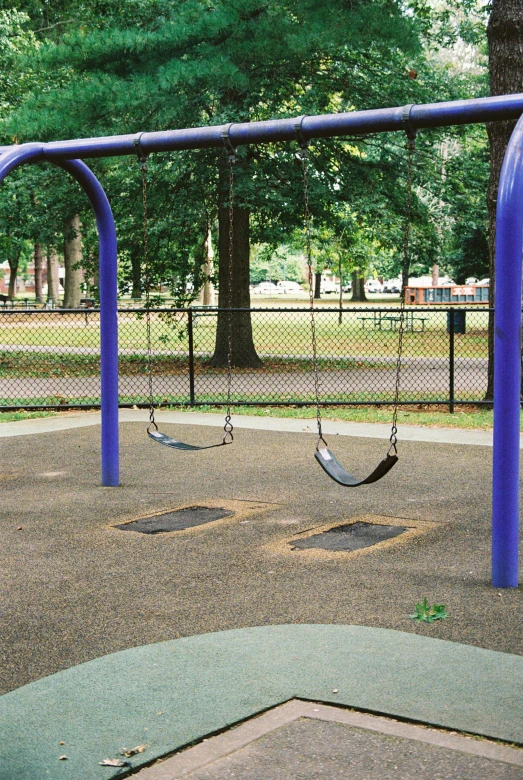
<point>349,537</point>
<point>359,535</point>
<point>178,520</point>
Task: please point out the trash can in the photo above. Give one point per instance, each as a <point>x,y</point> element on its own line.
<point>458,316</point>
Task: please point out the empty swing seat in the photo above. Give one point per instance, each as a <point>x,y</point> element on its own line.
<point>335,470</point>
<point>168,441</point>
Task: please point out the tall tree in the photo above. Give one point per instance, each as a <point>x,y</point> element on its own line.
<point>53,282</point>
<point>38,272</point>
<point>196,63</point>
<point>72,263</point>
<point>505,41</point>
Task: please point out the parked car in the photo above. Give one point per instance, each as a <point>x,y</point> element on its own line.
<point>289,288</point>
<point>328,287</point>
<point>347,287</point>
<point>392,286</point>
<point>373,286</point>
<point>266,288</point>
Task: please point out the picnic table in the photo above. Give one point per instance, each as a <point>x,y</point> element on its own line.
<point>380,320</point>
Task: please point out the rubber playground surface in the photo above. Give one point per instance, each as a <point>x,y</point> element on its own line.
<point>114,640</point>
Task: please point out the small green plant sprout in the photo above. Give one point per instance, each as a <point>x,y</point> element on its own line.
<point>428,614</point>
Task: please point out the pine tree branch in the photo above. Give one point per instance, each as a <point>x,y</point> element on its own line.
<point>52,26</point>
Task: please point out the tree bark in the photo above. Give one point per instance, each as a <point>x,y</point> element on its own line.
<point>317,285</point>
<point>405,273</point>
<point>505,40</point>
<point>234,293</point>
<point>13,261</point>
<point>207,296</point>
<point>358,288</point>
<point>38,273</point>
<point>72,261</point>
<point>136,272</point>
<point>53,283</point>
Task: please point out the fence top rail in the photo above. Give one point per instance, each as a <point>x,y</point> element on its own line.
<point>256,310</point>
<point>457,112</point>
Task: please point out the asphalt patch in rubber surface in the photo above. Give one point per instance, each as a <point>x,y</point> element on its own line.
<point>178,520</point>
<point>352,536</point>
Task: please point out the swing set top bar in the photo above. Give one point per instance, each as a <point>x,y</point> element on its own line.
<point>458,112</point>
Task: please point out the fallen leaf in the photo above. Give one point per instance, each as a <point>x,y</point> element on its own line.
<point>112,762</point>
<point>132,751</point>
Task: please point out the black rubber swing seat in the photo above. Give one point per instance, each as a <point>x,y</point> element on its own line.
<point>335,470</point>
<point>162,438</point>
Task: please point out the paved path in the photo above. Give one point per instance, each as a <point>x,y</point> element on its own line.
<point>68,421</point>
<point>301,739</point>
<point>415,378</point>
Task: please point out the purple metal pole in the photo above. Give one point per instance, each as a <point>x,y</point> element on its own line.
<point>108,295</point>
<point>507,366</point>
<point>456,112</point>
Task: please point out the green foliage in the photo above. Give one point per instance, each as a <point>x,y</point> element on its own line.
<point>88,67</point>
<point>269,264</point>
<point>425,613</point>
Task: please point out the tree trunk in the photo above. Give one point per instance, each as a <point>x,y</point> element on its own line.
<point>358,288</point>
<point>234,293</point>
<point>13,261</point>
<point>435,275</point>
<point>136,272</point>
<point>38,273</point>
<point>53,284</point>
<point>317,285</point>
<point>505,40</point>
<point>207,296</point>
<point>405,273</point>
<point>72,261</point>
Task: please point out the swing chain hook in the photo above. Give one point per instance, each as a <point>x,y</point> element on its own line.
<point>152,422</point>
<point>408,126</point>
<point>393,441</point>
<point>142,156</point>
<point>229,147</point>
<point>300,138</point>
<point>227,430</point>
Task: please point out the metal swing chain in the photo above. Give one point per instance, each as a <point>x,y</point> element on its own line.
<point>303,156</point>
<point>231,159</point>
<point>411,148</point>
<point>142,159</point>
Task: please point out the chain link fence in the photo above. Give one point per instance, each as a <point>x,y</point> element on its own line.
<point>50,358</point>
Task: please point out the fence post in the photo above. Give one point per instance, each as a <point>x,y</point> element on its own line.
<point>451,361</point>
<point>191,355</point>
